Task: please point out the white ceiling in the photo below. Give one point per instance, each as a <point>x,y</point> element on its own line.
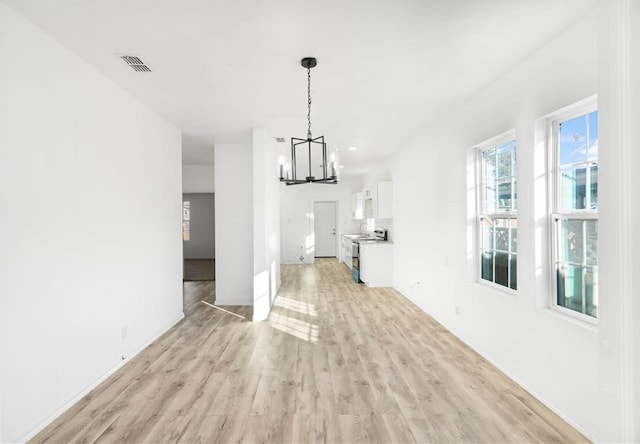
<point>386,68</point>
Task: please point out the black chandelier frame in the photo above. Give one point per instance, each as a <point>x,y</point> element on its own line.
<point>310,142</point>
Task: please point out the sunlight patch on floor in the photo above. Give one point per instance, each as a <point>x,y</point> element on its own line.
<point>295,327</point>
<point>299,306</point>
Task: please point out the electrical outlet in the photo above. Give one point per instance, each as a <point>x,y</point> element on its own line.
<point>457,310</point>
<point>124,332</point>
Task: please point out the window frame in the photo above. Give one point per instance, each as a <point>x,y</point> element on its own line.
<point>555,214</point>
<point>482,215</point>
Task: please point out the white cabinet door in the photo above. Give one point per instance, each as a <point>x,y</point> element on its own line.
<point>346,246</point>
<point>376,264</point>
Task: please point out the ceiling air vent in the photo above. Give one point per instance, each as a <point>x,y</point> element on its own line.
<point>135,63</point>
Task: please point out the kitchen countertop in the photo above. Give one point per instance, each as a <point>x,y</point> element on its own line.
<point>356,236</point>
<point>365,239</point>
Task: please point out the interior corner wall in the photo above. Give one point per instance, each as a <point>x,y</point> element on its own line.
<point>554,358</point>
<point>198,179</point>
<point>90,214</point>
<point>234,223</point>
<point>266,225</point>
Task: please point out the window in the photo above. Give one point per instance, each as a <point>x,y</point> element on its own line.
<point>186,220</point>
<point>574,217</point>
<point>497,211</point>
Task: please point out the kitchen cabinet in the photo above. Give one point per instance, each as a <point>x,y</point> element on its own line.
<point>376,264</point>
<point>345,251</point>
<point>384,200</point>
<point>373,203</point>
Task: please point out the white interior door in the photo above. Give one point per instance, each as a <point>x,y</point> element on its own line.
<point>325,228</point>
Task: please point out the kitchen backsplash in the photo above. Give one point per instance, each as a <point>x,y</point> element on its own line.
<point>387,224</point>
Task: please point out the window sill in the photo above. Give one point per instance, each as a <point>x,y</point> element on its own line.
<point>497,287</point>
<point>575,318</point>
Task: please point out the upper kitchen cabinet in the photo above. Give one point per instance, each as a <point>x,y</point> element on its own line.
<point>375,202</point>
<point>384,200</point>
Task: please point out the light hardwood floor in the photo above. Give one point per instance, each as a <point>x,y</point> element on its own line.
<point>336,362</point>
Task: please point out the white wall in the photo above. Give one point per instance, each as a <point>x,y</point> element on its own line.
<point>266,225</point>
<point>90,204</point>
<point>247,224</point>
<point>198,179</point>
<point>633,246</point>
<point>234,224</point>
<point>619,241</point>
<point>553,357</point>
<point>296,216</point>
<point>380,172</point>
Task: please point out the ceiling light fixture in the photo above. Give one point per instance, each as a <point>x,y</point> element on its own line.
<point>324,175</point>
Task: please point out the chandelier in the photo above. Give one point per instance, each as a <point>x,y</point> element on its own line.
<point>314,149</point>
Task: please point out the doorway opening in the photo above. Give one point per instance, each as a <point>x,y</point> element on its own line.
<point>198,247</point>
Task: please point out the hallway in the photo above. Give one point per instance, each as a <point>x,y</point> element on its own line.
<point>336,362</point>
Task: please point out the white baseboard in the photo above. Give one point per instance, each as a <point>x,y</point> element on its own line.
<point>99,381</point>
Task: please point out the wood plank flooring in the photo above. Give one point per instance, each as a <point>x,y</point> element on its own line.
<point>335,362</point>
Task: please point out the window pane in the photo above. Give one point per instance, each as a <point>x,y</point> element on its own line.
<point>514,235</point>
<point>591,291</point>
<point>186,210</point>
<point>572,188</point>
<point>487,266</point>
<point>489,179</point>
<point>502,268</point>
<point>489,165</point>
<point>593,135</point>
<point>504,196</point>
<point>570,287</point>
<point>571,247</point>
<point>502,234</point>
<point>489,199</point>
<point>573,141</point>
<point>504,161</point>
<point>513,158</point>
<point>487,234</point>
<point>513,280</point>
<point>592,241</point>
<point>594,187</point>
